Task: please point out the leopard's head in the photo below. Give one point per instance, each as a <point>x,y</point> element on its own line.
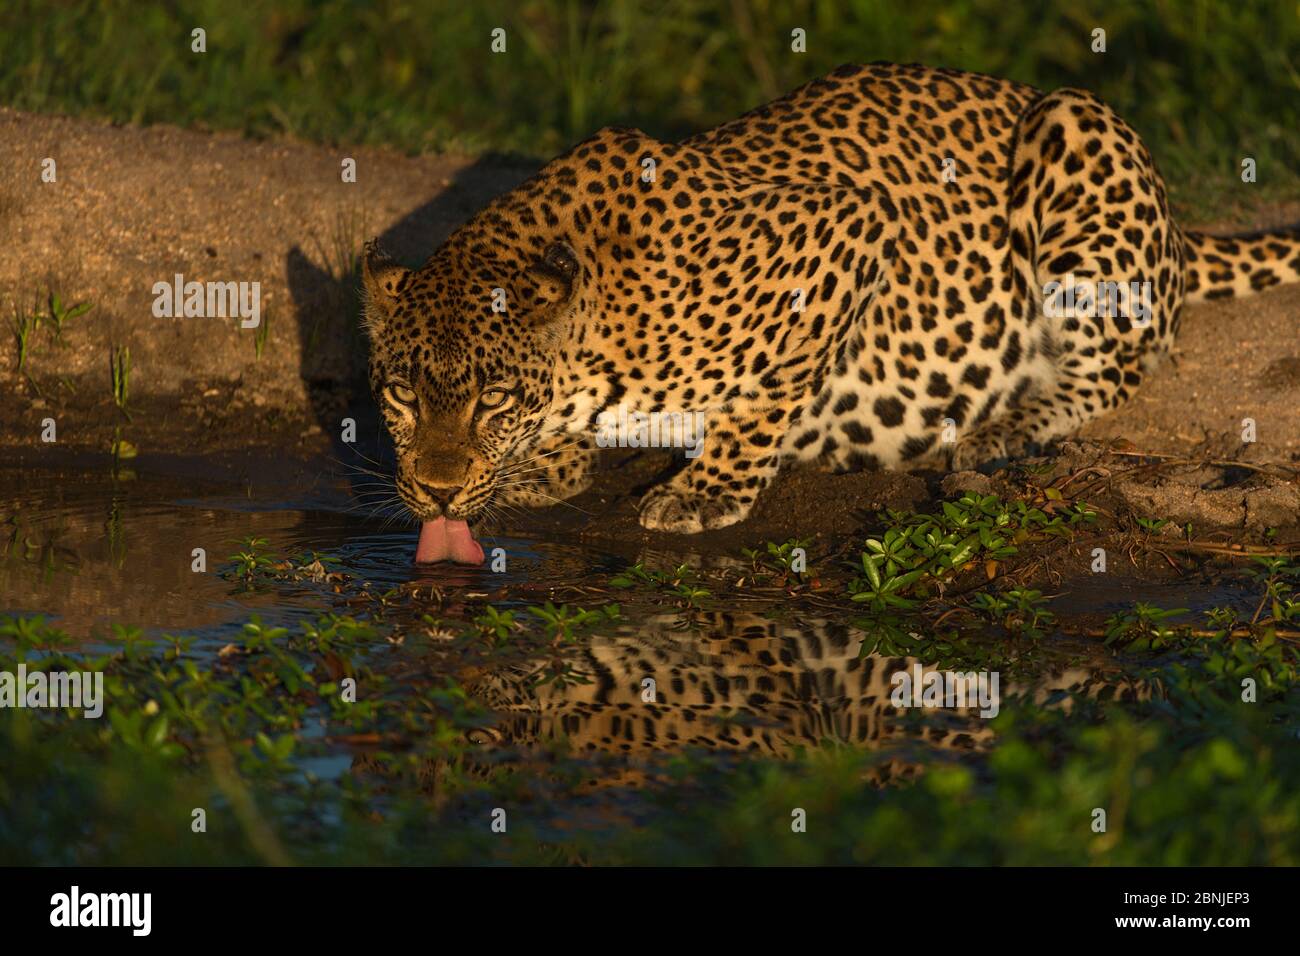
<point>462,361</point>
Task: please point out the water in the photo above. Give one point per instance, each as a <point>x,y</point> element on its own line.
<point>1110,594</point>
<point>90,550</point>
<point>760,675</point>
<point>618,734</point>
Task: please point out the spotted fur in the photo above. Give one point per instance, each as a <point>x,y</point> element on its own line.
<point>738,682</point>
<point>852,275</point>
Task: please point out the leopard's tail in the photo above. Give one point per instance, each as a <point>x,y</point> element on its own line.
<point>1223,267</point>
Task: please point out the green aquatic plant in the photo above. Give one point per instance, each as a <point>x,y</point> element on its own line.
<point>915,558</point>
<point>1143,627</point>
<point>786,560</point>
<point>253,563</point>
<point>1151,525</point>
<point>1280,575</point>
<point>1020,611</point>
<point>917,554</point>
<point>562,623</point>
<point>497,626</point>
<point>681,583</point>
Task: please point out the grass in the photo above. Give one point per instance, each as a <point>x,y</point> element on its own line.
<point>339,252</point>
<point>340,249</point>
<point>120,370</point>
<point>60,314</point>
<point>25,322</point>
<point>262,334</point>
<point>1205,83</point>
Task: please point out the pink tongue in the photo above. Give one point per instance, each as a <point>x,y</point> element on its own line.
<point>447,540</point>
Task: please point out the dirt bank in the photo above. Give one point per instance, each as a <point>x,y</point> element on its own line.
<point>132,207</point>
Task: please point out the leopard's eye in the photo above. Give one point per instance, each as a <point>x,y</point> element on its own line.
<point>493,398</point>
<point>401,394</point>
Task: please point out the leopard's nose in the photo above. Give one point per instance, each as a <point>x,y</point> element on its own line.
<point>440,495</point>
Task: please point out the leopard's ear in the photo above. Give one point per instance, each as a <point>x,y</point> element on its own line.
<point>549,283</point>
<point>383,280</point>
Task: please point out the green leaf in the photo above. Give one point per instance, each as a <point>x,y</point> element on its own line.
<point>157,732</point>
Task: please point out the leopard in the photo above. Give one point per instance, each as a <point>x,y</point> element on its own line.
<point>866,273</point>
<point>738,684</point>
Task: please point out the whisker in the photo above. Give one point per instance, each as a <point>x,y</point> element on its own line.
<point>560,501</point>
<point>554,451</point>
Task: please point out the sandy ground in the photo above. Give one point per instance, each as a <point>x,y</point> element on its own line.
<point>135,206</point>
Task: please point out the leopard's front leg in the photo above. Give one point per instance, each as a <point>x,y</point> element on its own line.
<point>738,458</point>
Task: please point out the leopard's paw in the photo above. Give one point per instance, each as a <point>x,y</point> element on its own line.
<point>981,451</point>
<point>670,509</point>
<point>988,451</point>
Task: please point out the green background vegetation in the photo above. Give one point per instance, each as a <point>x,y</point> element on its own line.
<point>1205,83</point>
